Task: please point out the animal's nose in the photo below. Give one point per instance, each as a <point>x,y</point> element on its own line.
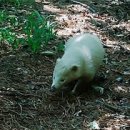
<point>53,88</point>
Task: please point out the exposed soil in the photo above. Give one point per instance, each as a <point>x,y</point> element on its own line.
<point>26,102</point>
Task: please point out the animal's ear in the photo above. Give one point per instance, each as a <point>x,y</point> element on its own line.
<point>58,60</point>
<point>74,68</point>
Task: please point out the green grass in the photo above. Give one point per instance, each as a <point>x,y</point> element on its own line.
<point>17,2</point>
<point>35,30</point>
<point>38,31</point>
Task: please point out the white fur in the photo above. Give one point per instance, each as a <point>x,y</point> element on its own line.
<point>82,58</point>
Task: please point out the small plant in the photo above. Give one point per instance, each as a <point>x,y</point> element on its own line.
<point>3,16</point>
<point>60,47</point>
<point>17,3</point>
<point>7,32</point>
<point>13,2</point>
<point>38,30</point>
<point>9,37</point>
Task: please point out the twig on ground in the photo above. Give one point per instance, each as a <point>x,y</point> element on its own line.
<point>111,107</point>
<point>122,73</point>
<point>16,93</point>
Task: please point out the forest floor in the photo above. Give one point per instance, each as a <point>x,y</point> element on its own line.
<point>26,102</point>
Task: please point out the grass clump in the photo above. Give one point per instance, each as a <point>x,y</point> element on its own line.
<point>17,2</point>
<point>35,30</point>
<point>38,30</point>
<point>9,37</point>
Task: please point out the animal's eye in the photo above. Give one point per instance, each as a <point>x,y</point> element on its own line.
<point>62,80</point>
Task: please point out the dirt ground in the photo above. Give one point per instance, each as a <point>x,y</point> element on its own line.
<point>26,102</point>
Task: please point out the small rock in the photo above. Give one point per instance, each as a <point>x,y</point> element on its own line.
<point>94,125</point>
<point>119,79</point>
<point>76,31</point>
<point>126,72</point>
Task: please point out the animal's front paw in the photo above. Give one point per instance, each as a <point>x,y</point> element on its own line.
<point>73,92</point>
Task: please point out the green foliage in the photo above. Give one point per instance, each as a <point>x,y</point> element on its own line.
<point>6,18</point>
<point>13,20</point>
<point>60,47</point>
<point>17,2</point>
<point>2,16</point>
<point>7,32</point>
<point>10,37</point>
<point>38,30</point>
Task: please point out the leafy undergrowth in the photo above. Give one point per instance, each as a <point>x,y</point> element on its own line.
<point>29,29</point>
<point>26,102</point>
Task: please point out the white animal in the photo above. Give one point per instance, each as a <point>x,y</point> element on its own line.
<point>81,60</point>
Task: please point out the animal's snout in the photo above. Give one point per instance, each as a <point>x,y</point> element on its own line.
<point>53,89</point>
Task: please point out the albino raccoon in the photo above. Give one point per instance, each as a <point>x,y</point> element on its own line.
<point>82,58</point>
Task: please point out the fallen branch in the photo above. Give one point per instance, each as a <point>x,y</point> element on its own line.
<point>111,107</point>
<point>122,109</point>
<point>16,93</point>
